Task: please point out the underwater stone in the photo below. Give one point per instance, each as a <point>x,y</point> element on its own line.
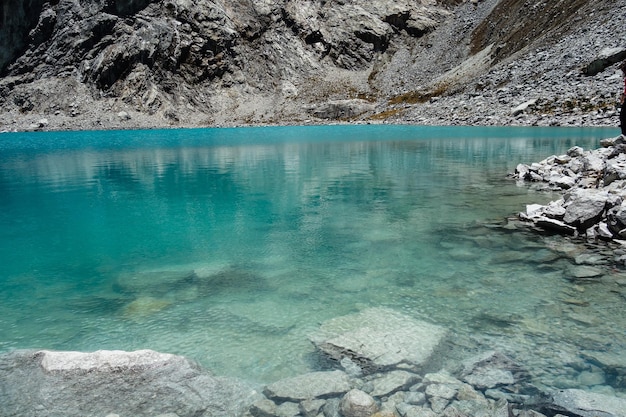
<point>311,408</point>
<point>583,272</point>
<point>309,386</point>
<point>579,403</point>
<point>263,408</point>
<point>379,339</point>
<point>491,369</point>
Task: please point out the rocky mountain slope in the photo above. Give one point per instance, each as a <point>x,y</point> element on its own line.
<point>74,64</point>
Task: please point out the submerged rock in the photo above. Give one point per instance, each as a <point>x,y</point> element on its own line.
<point>379,339</point>
<point>140,383</point>
<point>579,403</point>
<point>309,386</point>
<point>491,369</point>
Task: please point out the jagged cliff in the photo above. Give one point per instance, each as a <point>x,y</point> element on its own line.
<point>145,63</point>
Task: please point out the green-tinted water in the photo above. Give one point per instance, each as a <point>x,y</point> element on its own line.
<point>231,245</point>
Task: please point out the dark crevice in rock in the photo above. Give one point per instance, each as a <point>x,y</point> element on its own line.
<point>17,19</point>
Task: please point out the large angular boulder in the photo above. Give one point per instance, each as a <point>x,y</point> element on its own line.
<point>583,207</point>
<point>380,339</point>
<point>141,383</point>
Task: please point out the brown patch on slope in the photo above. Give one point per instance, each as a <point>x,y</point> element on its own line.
<point>515,24</point>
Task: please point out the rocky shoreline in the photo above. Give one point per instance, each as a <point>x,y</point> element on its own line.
<point>378,363</point>
<point>593,183</point>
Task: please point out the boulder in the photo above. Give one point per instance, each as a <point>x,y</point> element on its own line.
<point>606,58</point>
<point>357,403</point>
<point>523,107</point>
<point>141,383</point>
<point>309,386</point>
<point>579,403</point>
<point>379,339</point>
<point>614,170</point>
<point>583,208</point>
<point>554,225</point>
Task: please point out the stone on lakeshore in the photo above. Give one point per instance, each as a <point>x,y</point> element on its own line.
<point>379,339</point>
<point>603,231</point>
<point>534,210</point>
<point>575,151</point>
<point>309,386</point>
<point>614,170</point>
<point>579,403</point>
<point>584,207</point>
<point>522,171</point>
<point>357,403</point>
<point>593,163</point>
<point>562,181</point>
<point>116,382</point>
<point>393,381</point>
<point>555,225</point>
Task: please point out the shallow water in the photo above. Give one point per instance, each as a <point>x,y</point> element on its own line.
<point>231,246</point>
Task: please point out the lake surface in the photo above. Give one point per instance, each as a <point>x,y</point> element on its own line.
<point>231,246</point>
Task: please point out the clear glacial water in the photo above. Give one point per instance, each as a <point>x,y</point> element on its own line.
<point>231,246</point>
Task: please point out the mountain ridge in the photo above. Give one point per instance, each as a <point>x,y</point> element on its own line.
<point>69,64</point>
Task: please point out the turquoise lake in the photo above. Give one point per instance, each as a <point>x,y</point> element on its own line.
<point>230,246</point>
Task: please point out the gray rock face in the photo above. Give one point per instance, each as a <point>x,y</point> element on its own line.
<point>161,56</point>
<point>578,403</point>
<point>309,386</point>
<point>209,62</point>
<point>141,383</point>
<point>379,339</point>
